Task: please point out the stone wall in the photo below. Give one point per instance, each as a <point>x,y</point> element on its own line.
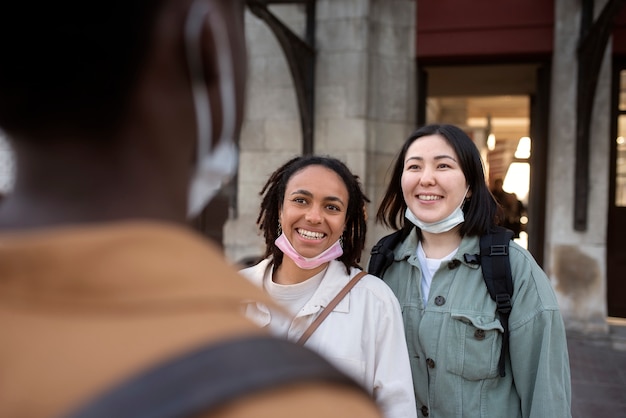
<point>576,261</point>
<point>364,101</point>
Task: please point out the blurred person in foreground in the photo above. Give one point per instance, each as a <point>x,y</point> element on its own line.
<point>122,119</point>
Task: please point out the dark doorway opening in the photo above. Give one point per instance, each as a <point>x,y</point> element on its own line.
<point>616,225</point>
<point>504,109</point>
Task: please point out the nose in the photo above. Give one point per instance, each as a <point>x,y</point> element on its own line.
<point>428,176</point>
<point>313,215</point>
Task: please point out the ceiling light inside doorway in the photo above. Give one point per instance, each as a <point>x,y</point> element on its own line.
<point>517,180</point>
<point>523,148</point>
<point>491,142</point>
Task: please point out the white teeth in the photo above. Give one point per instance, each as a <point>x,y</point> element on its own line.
<point>429,197</point>
<point>311,234</point>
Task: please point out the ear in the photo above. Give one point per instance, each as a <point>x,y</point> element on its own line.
<point>203,65</point>
<point>224,63</point>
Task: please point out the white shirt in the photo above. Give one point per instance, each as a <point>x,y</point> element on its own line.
<point>429,267</point>
<point>363,336</point>
<point>293,297</point>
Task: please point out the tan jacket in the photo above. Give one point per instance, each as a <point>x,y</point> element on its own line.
<point>82,308</point>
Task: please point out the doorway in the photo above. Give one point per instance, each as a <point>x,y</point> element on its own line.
<point>616,224</point>
<point>497,105</point>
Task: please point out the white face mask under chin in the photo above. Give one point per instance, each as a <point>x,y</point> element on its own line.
<point>212,168</point>
<point>444,225</point>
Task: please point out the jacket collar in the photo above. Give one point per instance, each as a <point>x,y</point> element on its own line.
<point>121,264</point>
<point>334,280</point>
<point>408,247</point>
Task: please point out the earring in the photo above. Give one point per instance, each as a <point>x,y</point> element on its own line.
<point>279,230</point>
<point>341,241</point>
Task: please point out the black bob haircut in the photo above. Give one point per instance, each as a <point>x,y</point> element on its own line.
<point>480,210</point>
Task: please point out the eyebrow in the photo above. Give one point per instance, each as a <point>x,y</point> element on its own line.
<point>309,194</point>
<point>437,157</point>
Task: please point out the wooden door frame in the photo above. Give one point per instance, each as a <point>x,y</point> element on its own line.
<point>616,305</point>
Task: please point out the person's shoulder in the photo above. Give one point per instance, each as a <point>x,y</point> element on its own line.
<point>304,400</point>
<point>522,258</point>
<point>406,245</point>
<point>372,282</point>
<point>255,270</point>
<point>374,285</point>
<point>530,279</point>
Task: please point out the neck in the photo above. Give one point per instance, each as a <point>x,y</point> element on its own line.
<point>440,245</point>
<point>77,182</point>
<point>290,273</point>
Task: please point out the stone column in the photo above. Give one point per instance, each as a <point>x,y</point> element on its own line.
<point>576,261</point>
<point>364,101</point>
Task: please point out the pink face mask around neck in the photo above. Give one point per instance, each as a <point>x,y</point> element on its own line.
<point>333,252</point>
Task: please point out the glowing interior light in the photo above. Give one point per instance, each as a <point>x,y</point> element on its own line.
<point>517,180</point>
<point>491,142</point>
<point>523,148</point>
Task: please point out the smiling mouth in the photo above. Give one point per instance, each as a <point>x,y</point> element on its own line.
<point>310,234</point>
<point>428,197</point>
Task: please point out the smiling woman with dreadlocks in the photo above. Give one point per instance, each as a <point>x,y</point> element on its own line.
<point>314,223</point>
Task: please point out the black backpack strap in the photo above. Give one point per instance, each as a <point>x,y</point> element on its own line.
<point>211,376</point>
<point>381,255</point>
<point>494,260</point>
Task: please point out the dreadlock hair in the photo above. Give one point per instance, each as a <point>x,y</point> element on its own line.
<point>273,194</point>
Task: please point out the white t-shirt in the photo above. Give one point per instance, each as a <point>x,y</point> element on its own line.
<point>291,296</point>
<point>429,267</point>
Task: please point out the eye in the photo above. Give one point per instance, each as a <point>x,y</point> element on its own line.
<point>333,208</point>
<point>299,200</point>
<point>412,167</point>
<point>444,165</point>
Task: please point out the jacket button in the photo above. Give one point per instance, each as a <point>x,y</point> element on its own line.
<point>440,300</point>
<point>430,363</point>
<point>425,410</point>
<point>479,334</point>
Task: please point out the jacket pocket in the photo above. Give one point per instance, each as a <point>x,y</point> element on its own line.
<point>474,345</point>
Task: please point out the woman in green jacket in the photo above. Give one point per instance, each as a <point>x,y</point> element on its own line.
<point>439,196</point>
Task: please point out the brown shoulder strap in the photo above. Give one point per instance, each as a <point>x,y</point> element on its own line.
<point>328,309</point>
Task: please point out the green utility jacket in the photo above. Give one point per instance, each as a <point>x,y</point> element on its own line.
<point>455,340</point>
